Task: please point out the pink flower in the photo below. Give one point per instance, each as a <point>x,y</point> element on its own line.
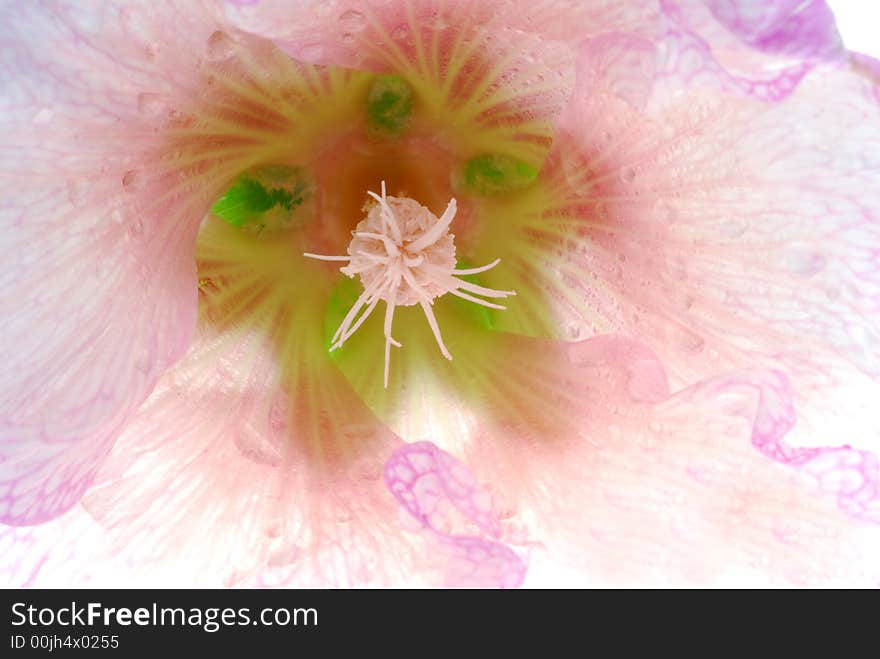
<point>683,196</point>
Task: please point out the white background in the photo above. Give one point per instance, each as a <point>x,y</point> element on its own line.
<point>859,24</point>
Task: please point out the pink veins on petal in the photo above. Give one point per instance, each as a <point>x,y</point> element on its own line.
<point>432,486</point>
<point>405,255</point>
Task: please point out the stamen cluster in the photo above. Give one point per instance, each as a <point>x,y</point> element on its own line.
<point>405,255</point>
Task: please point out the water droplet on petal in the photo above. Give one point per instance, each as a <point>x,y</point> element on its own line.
<point>805,262</point>
<point>311,52</point>
<point>666,211</point>
<point>130,181</point>
<point>401,33</point>
<point>219,47</point>
<point>284,556</point>
<point>44,116</point>
<point>256,446</point>
<point>352,20</point>
<point>101,271</point>
<point>575,332</point>
<point>862,337</point>
<point>369,471</point>
<point>628,174</point>
<point>150,103</point>
<point>75,192</point>
<point>734,228</point>
<point>689,341</point>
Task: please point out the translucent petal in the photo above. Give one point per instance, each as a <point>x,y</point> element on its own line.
<point>728,232</point>
<point>783,28</point>
<point>430,484</point>
<point>339,29</point>
<point>587,454</point>
<point>493,76</point>
<point>252,461</point>
<point>98,292</point>
<point>121,126</point>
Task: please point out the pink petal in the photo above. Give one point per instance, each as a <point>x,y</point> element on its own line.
<point>252,462</point>
<point>689,60</point>
<point>70,549</point>
<point>632,486</point>
<point>99,280</point>
<point>728,232</point>
<point>733,235</point>
<point>346,32</point>
<point>791,28</point>
<point>501,70</point>
<point>585,451</point>
<point>588,453</point>
<point>426,481</point>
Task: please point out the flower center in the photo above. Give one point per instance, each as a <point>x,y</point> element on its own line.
<point>405,255</point>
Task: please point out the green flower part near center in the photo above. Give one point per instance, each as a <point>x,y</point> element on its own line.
<point>389,104</point>
<point>275,188</point>
<point>343,296</point>
<point>491,173</point>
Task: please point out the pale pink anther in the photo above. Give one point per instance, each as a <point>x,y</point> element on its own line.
<point>405,255</point>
